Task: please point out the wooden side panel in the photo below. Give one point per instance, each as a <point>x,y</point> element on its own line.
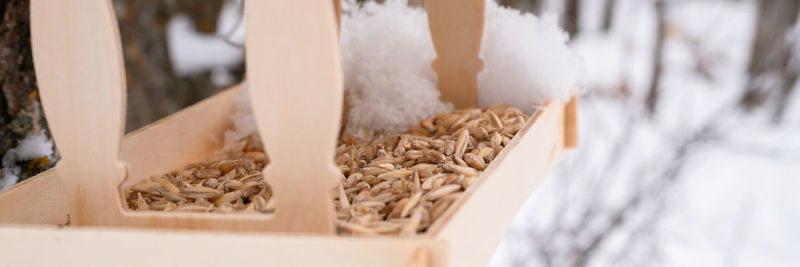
<point>38,200</point>
<point>79,65</point>
<point>193,134</point>
<point>157,148</point>
<point>476,223</point>
<point>78,57</point>
<point>571,138</point>
<point>337,9</point>
<point>99,247</point>
<point>190,135</point>
<point>296,88</point>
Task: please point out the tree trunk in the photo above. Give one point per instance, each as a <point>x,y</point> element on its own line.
<point>20,112</point>
<point>532,6</point>
<point>651,102</point>
<point>608,15</point>
<point>769,71</point>
<point>572,17</point>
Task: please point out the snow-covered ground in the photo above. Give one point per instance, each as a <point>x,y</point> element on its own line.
<point>734,200</point>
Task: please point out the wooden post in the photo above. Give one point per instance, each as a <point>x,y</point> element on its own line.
<point>571,123</point>
<point>457,29</point>
<point>296,88</point>
<point>337,9</point>
<point>79,68</point>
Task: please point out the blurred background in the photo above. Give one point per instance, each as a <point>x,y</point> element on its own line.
<point>690,130</point>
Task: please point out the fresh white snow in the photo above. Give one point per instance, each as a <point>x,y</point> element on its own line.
<point>387,54</point>
<point>526,60</point>
<point>735,201</point>
<point>31,147</point>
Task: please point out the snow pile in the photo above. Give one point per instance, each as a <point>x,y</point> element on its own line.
<point>734,202</point>
<point>387,54</point>
<point>526,60</point>
<point>602,58</point>
<point>31,147</point>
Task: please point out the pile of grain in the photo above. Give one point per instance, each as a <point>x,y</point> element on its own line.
<point>230,181</point>
<point>396,183</point>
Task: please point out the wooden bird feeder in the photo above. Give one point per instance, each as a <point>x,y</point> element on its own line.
<point>295,81</point>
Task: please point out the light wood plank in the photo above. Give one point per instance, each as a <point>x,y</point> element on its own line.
<point>39,200</point>
<point>297,96</point>
<point>457,29</point>
<point>571,138</point>
<point>296,89</point>
<point>337,9</point>
<point>79,68</point>
<point>24,246</point>
<point>187,136</point>
<point>476,222</point>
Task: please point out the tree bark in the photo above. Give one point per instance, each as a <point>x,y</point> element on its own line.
<point>769,70</point>
<point>154,91</point>
<point>608,15</point>
<point>572,17</point>
<point>532,6</point>
<point>651,102</point>
<point>20,111</point>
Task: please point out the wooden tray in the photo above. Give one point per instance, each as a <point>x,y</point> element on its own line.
<point>295,81</point>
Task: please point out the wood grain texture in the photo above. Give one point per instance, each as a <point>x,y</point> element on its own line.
<point>345,102</point>
<point>38,200</point>
<point>296,89</point>
<point>79,64</point>
<point>78,61</point>
<point>457,29</point>
<point>179,139</point>
<point>190,135</point>
<point>571,138</point>
<point>476,222</point>
<point>337,9</point>
<point>100,247</point>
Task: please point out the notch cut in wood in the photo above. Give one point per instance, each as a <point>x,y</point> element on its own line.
<point>457,30</point>
<point>297,102</point>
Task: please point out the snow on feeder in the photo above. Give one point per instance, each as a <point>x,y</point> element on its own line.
<point>295,83</point>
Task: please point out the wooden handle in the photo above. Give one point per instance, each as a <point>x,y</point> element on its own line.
<point>456,29</point>
<point>79,69</point>
<point>337,11</point>
<point>295,84</point>
<point>337,4</point>
<point>571,123</point>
